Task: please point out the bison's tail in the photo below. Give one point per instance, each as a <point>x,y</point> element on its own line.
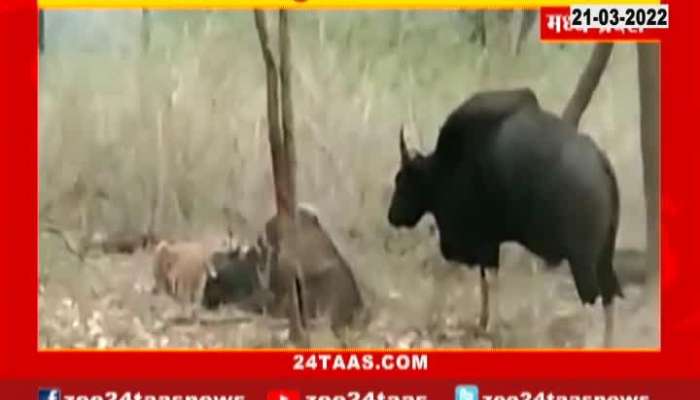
<point>607,280</point>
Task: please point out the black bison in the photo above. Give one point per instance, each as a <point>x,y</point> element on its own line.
<point>505,170</point>
<point>241,275</point>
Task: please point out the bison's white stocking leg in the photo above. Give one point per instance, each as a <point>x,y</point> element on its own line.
<point>534,275</point>
<point>534,266</point>
<point>495,310</point>
<point>484,286</point>
<point>608,334</point>
<point>590,339</point>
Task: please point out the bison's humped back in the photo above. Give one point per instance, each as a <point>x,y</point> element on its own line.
<point>466,127</point>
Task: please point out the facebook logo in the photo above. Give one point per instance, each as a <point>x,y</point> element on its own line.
<point>467,392</point>
<point>49,394</point>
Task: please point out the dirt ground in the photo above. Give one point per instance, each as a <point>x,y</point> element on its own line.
<point>429,305</point>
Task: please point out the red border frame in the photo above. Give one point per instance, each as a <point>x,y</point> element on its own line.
<point>19,358</point>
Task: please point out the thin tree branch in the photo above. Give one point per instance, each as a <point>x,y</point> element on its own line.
<point>287,110</point>
<point>274,134</point>
<point>587,83</point>
<point>75,247</point>
<point>648,67</point>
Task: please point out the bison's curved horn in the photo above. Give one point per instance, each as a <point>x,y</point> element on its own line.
<point>405,157</point>
<point>211,270</point>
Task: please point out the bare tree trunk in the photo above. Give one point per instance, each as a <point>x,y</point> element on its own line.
<point>158,200</point>
<point>273,123</point>
<point>587,83</point>
<point>321,17</point>
<point>479,32</point>
<point>298,313</point>
<point>42,44</point>
<point>287,110</point>
<point>401,16</point>
<point>648,66</point>
<point>526,24</point>
<point>145,29</point>
<point>284,170</point>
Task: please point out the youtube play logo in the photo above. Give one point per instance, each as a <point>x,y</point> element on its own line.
<point>283,395</point>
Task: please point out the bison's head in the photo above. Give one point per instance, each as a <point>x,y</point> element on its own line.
<point>237,273</point>
<point>411,187</point>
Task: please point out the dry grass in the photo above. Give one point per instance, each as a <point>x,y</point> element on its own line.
<point>186,123</point>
